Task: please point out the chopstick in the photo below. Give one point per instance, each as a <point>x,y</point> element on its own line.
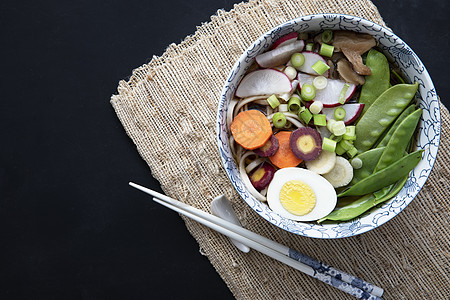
<point>344,282</point>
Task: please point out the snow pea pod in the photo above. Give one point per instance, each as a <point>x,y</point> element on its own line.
<point>382,113</point>
<point>363,204</point>
<point>393,191</point>
<point>399,140</point>
<point>385,176</point>
<point>376,83</point>
<point>369,160</point>
<point>384,141</point>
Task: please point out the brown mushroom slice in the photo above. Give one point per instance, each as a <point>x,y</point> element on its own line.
<point>353,45</point>
<point>332,71</point>
<point>356,60</point>
<point>347,73</point>
<point>318,39</point>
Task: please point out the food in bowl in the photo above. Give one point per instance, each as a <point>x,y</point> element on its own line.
<point>322,116</point>
<point>324,95</point>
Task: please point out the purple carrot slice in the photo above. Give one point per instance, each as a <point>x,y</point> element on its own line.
<point>306,143</point>
<point>269,148</point>
<point>262,176</point>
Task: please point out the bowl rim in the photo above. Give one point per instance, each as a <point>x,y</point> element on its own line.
<point>221,106</point>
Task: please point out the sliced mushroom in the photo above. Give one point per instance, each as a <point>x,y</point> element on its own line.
<point>353,45</point>
<point>337,56</point>
<point>318,39</point>
<point>347,73</point>
<point>332,70</point>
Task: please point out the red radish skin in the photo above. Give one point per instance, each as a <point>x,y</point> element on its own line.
<point>263,82</point>
<point>280,55</point>
<point>310,59</point>
<point>284,40</point>
<point>352,112</point>
<point>329,96</point>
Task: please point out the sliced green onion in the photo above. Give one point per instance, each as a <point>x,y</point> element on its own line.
<point>327,36</point>
<point>338,128</point>
<point>339,150</point>
<point>290,72</point>
<point>308,92</point>
<point>279,120</point>
<point>320,67</point>
<point>326,50</point>
<point>346,145</point>
<point>294,104</point>
<point>306,116</point>
<point>309,47</point>
<point>320,120</point>
<point>303,36</point>
<point>297,60</point>
<point>335,138</point>
<point>339,113</point>
<point>316,107</point>
<point>328,145</point>
<point>296,95</point>
<point>342,94</point>
<point>330,124</point>
<point>283,108</point>
<point>320,82</point>
<point>352,152</point>
<point>273,101</point>
<point>356,163</point>
<point>350,133</point>
<point>302,109</point>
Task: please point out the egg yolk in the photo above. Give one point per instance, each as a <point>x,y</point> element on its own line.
<point>297,197</point>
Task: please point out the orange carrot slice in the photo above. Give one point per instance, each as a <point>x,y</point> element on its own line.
<point>251,129</point>
<point>284,157</point>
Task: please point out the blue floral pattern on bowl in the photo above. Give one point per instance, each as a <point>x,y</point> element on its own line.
<point>428,136</point>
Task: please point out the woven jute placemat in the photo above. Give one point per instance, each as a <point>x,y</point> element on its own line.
<point>168,108</point>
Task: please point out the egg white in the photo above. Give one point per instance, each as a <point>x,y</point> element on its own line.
<point>326,198</point>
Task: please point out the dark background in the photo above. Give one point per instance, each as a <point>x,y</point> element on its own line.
<point>70,227</point>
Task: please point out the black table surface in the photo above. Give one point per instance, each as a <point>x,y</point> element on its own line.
<point>70,227</point>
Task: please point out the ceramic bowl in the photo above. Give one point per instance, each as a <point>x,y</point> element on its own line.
<point>428,134</point>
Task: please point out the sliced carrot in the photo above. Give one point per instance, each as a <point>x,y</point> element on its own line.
<point>251,129</point>
<point>284,157</point>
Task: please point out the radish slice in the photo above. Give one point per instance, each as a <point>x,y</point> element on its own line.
<point>329,96</point>
<point>280,55</point>
<point>310,59</point>
<point>352,112</point>
<point>284,40</point>
<point>264,82</point>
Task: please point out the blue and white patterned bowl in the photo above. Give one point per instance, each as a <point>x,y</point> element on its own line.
<point>428,135</point>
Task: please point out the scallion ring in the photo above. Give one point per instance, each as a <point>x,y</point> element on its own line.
<point>309,47</point>
<point>339,113</point>
<point>273,101</point>
<point>294,105</point>
<point>320,82</point>
<point>308,92</point>
<point>279,120</point>
<point>326,50</point>
<point>297,60</point>
<point>327,36</point>
<point>342,94</point>
<point>320,67</point>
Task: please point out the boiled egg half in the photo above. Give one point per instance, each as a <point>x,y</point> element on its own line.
<point>301,195</point>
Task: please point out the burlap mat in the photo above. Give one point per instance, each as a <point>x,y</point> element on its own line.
<point>168,108</point>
